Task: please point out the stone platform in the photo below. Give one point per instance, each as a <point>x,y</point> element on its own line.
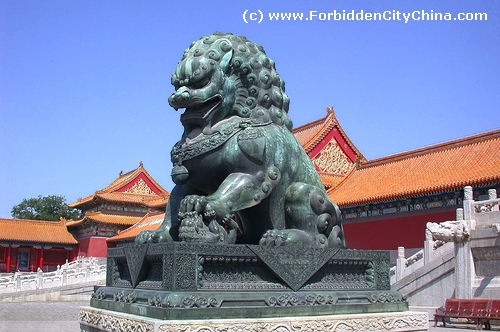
<point>94,320</point>
<point>170,285</point>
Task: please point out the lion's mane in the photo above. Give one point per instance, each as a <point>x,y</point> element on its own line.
<point>260,91</point>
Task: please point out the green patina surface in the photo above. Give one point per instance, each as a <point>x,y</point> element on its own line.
<point>240,174</point>
<point>249,230</point>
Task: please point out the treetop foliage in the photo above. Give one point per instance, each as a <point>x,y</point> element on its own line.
<point>50,208</point>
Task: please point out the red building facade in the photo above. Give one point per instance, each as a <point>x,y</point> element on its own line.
<point>386,203</point>
<point>29,245</point>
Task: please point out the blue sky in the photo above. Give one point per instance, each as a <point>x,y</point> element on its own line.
<point>84,84</point>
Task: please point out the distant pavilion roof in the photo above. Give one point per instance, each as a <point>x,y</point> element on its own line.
<point>112,219</point>
<point>135,187</point>
<point>150,222</point>
<point>35,231</point>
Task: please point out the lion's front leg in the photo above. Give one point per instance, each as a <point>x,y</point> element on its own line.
<point>167,231</point>
<point>198,222</point>
<point>212,217</point>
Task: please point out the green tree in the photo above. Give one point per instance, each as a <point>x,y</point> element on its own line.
<point>49,208</point>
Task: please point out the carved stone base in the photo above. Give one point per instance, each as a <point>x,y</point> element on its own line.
<point>176,281</point>
<point>94,320</point>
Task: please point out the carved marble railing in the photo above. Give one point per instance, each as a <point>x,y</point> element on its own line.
<point>443,238</point>
<point>489,205</point>
<point>81,270</point>
<point>406,266</point>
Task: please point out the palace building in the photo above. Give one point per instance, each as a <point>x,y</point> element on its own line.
<point>29,245</point>
<point>118,206</point>
<point>149,222</point>
<point>26,245</point>
<point>385,203</point>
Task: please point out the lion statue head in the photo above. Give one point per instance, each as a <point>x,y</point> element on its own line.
<point>223,75</point>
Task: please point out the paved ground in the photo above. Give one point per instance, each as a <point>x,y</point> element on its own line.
<point>63,317</point>
<point>40,316</point>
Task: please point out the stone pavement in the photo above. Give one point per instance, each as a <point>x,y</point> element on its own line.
<point>40,316</point>
<point>63,317</point>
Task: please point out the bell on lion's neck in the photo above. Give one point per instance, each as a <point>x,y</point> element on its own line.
<point>179,174</point>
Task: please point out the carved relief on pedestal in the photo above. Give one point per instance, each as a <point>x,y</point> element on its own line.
<point>332,160</point>
<point>407,321</point>
<point>390,322</point>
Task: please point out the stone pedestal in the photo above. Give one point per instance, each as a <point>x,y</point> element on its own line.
<point>94,320</point>
<point>201,287</point>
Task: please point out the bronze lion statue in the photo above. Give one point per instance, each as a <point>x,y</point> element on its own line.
<point>240,174</point>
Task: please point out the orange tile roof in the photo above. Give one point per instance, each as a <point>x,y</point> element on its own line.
<point>111,193</point>
<point>330,180</point>
<point>124,179</point>
<point>105,219</point>
<point>470,161</point>
<point>150,222</point>
<point>311,134</point>
<point>146,200</point>
<point>35,231</point>
<point>306,134</point>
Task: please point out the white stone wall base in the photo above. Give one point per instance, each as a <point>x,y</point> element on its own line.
<point>93,320</point>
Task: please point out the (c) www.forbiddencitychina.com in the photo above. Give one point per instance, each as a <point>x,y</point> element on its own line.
<point>257,16</point>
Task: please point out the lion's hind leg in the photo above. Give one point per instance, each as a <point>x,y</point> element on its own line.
<point>311,220</point>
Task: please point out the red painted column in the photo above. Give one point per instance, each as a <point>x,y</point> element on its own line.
<point>9,253</point>
<point>40,258</point>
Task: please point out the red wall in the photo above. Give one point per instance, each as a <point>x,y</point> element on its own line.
<point>389,234</point>
<point>93,246</point>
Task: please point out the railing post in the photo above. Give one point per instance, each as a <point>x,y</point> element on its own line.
<point>464,270</point>
<point>18,282</point>
<point>400,263</point>
<point>428,247</point>
<point>464,264</point>
<point>468,200</point>
<point>492,194</point>
<point>39,275</point>
<point>64,277</point>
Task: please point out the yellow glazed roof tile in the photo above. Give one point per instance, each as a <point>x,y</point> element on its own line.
<point>150,222</point>
<point>469,161</point>
<point>35,231</point>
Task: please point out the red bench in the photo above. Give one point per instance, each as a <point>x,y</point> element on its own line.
<point>493,312</point>
<point>481,311</point>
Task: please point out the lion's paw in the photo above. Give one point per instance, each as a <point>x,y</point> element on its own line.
<point>160,235</point>
<point>293,237</point>
<point>193,203</point>
<point>273,238</point>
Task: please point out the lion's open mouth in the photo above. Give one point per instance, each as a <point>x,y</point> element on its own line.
<point>196,115</point>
